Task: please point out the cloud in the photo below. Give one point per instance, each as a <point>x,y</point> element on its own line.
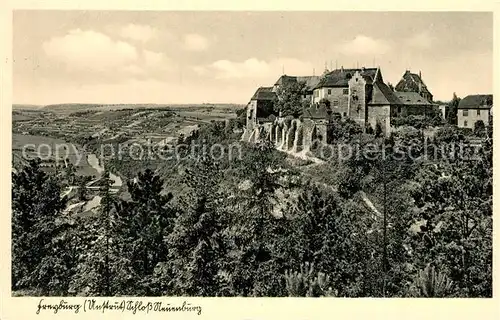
<point>195,42</point>
<point>421,40</point>
<point>133,69</point>
<point>363,45</point>
<point>136,32</point>
<point>90,50</point>
<point>254,68</point>
<point>154,59</point>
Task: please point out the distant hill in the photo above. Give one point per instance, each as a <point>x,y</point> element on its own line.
<point>71,107</point>
<point>16,106</point>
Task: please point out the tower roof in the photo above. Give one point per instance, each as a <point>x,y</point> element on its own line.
<point>411,82</point>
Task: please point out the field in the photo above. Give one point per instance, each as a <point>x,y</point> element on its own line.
<point>51,150</point>
<point>75,125</point>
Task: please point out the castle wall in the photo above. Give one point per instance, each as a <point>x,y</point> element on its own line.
<point>357,99</point>
<point>307,133</point>
<point>252,114</point>
<point>381,115</point>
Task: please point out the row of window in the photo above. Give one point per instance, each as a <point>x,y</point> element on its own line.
<point>344,91</point>
<point>465,112</point>
<point>329,92</point>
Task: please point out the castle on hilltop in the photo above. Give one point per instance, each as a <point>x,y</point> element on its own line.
<point>359,94</point>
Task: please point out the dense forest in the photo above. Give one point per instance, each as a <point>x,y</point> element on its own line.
<point>222,235</point>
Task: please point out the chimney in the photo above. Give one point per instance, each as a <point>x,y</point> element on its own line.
<point>420,74</point>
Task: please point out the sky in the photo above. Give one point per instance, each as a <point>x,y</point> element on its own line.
<point>222,57</point>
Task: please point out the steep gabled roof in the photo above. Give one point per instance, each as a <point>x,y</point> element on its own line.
<point>383,95</point>
<point>264,93</point>
<point>412,98</point>
<point>411,82</point>
<point>476,101</point>
<point>341,77</point>
<point>310,81</point>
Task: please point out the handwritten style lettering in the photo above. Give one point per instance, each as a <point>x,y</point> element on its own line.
<point>132,306</point>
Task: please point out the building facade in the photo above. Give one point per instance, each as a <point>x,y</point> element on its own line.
<point>359,94</point>
<point>260,107</point>
<point>473,108</point>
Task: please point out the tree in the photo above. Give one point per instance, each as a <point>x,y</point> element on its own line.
<point>82,188</point>
<point>36,221</point>
<point>196,247</point>
<point>455,201</point>
<point>70,173</point>
<point>251,236</point>
<point>344,130</point>
<point>307,283</point>
<point>144,222</point>
<point>452,115</point>
<point>331,229</point>
<point>325,103</point>
<point>479,128</point>
<point>430,283</point>
<point>290,99</point>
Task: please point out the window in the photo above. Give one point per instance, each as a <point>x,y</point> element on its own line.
<point>346,91</point>
<point>329,91</point>
<point>345,114</point>
<point>399,109</point>
<point>478,112</point>
<point>466,112</point>
<point>465,123</point>
<point>335,103</point>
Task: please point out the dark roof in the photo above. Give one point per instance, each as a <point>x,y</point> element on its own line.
<point>476,101</point>
<point>310,81</point>
<point>264,93</point>
<point>341,77</point>
<point>284,79</point>
<point>412,98</point>
<point>319,112</point>
<point>411,82</point>
<point>383,95</point>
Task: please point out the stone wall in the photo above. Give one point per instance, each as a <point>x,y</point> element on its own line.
<point>296,135</point>
<point>380,115</point>
<point>357,99</point>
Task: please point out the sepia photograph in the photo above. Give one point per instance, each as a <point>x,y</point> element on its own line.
<point>252,154</point>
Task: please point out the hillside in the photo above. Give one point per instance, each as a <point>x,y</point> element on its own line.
<point>72,107</point>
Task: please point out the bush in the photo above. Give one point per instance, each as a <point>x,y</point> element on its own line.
<point>417,121</point>
<point>479,128</point>
<point>378,130</point>
<point>344,130</point>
